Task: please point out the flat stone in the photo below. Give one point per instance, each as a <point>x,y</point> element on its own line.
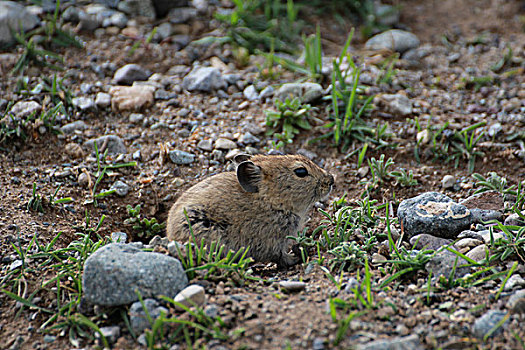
<point>306,92</point>
<point>486,322</point>
<point>205,145</point>
<point>488,236</point>
<point>24,109</point>
<point>225,144</point>
<point>424,241</point>
<point>111,333</point>
<point>397,104</point>
<point>129,73</point>
<point>83,103</point>
<point>181,158</point>
<point>121,188</point>
<point>478,253</point>
<point>131,98</point>
<point>292,286</point>
<point>204,79</point>
<point>467,243</point>
<point>190,296</point>
<point>435,214</point>
<point>393,39</point>
<point>112,143</point>
<point>70,128</point>
<point>14,17</point>
<point>516,302</point>
<point>113,273</point>
<point>443,263</point>
<point>410,342</point>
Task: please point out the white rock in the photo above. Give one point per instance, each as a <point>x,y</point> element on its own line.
<point>448,181</point>
<point>14,17</point>
<point>23,109</point>
<point>225,144</point>
<point>103,100</point>
<point>190,296</point>
<point>394,39</point>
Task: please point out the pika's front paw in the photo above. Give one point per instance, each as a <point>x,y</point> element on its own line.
<point>288,260</point>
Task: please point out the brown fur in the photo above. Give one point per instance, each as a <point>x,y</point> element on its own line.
<point>257,206</point>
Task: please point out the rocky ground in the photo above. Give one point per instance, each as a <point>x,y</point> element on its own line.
<point>170,112</point>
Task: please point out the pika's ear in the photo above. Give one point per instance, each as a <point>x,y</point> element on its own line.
<point>249,175</point>
<point>241,158</point>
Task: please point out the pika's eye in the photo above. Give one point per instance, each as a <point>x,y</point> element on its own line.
<point>301,172</point>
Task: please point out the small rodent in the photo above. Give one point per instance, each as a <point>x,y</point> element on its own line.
<point>265,200</point>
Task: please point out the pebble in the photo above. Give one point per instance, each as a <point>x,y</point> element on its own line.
<point>24,109</point>
<point>129,73</point>
<point>114,272</point>
<point>204,79</point>
<point>425,241</point>
<point>486,322</point>
<point>83,103</point>
<point>448,182</point>
<point>435,214</point>
<point>205,145</point>
<point>49,338</point>
<point>131,98</point>
<point>478,253</point>
<point>118,19</point>
<point>488,236</point>
<point>306,92</point>
<point>248,139</point>
<point>14,17</point>
<point>193,294</point>
<point>397,104</point>
<point>513,282</point>
<point>111,333</point>
<point>121,188</point>
<point>182,14</point>
<point>135,8</point>
<point>74,126</point>
<point>467,243</point>
<point>443,263</point>
<point>393,39</point>
<point>514,220</point>
<point>378,258</point>
<point>516,302</point>
<point>103,100</point>
<point>137,315</point>
<point>164,30</point>
<point>119,237</point>
<point>267,92</point>
<point>136,118</point>
<point>251,93</point>
<point>410,342</point>
<point>181,158</point>
<point>83,179</point>
<point>172,248</point>
<point>113,143</point>
<point>292,286</point>
<point>225,144</point>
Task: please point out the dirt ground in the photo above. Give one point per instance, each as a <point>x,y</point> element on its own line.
<point>270,319</point>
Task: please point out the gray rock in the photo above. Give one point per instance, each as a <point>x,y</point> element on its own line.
<point>182,14</point>
<point>205,145</point>
<point>225,144</point>
<point>164,30</point>
<point>292,286</point>
<point>387,15</point>
<point>424,241</point>
<point>190,296</point>
<point>306,92</point>
<point>267,92</point>
<point>136,8</point>
<point>495,129</point>
<point>486,322</point>
<point>103,100</point>
<point>248,139</point>
<point>204,79</point>
<point>478,253</point>
<point>119,237</point>
<point>434,214</point>
<point>250,93</point>
<point>121,188</point>
<point>467,243</point>
<point>74,126</point>
<point>516,302</point>
<point>113,273</point>
<point>443,263</point>
<point>14,17</point>
<point>136,118</point>
<point>137,315</point>
<point>24,109</point>
<point>71,14</point>
<point>111,333</point>
<point>112,143</point>
<point>448,181</point>
<point>118,19</point>
<point>513,282</point>
<point>83,103</point>
<point>397,104</point>
<point>393,39</point>
<point>482,215</point>
<point>514,220</point>
<point>488,236</point>
<point>129,73</point>
<point>181,158</point>
<point>410,342</point>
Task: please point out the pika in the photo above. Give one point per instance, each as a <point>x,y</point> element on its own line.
<point>265,200</point>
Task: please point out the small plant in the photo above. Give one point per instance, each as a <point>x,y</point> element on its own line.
<point>379,169</point>
<point>49,36</point>
<point>403,178</point>
<point>464,144</point>
<point>54,88</point>
<point>493,182</point>
<point>144,228</point>
<point>35,203</point>
<point>291,115</point>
